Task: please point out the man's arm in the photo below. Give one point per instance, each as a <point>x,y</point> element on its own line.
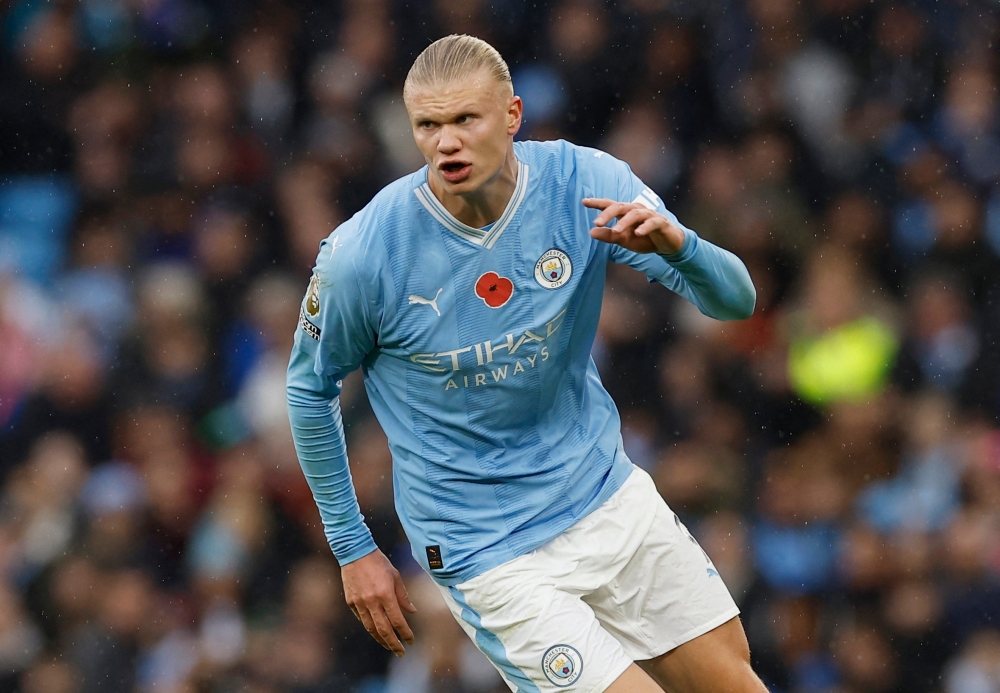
<point>333,336</point>
<point>318,433</point>
<point>652,241</point>
<point>373,588</point>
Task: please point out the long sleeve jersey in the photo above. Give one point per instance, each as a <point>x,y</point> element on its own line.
<point>475,347</point>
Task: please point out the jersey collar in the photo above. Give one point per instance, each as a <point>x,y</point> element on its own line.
<point>487,237</point>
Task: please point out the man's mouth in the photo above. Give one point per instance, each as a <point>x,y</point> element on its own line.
<point>455,171</point>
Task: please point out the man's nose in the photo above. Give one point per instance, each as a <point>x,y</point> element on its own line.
<point>449,142</point>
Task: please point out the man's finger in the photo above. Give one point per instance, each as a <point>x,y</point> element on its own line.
<point>398,621</point>
<point>646,227</point>
<point>384,629</point>
<point>603,233</point>
<point>619,210</point>
<point>402,596</point>
<point>366,620</point>
<point>613,210</point>
<point>597,202</point>
<point>631,219</point>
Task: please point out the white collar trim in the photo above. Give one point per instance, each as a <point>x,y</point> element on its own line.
<point>486,238</point>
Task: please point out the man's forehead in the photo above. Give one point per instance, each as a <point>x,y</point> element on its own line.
<point>477,89</point>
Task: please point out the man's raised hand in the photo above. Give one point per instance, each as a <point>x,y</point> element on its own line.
<point>375,592</point>
<point>639,229</point>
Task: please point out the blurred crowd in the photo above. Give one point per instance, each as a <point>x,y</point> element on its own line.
<point>168,168</point>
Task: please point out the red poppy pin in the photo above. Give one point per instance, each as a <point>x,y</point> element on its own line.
<point>494,289</point>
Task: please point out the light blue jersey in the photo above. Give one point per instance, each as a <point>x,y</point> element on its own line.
<point>475,347</point>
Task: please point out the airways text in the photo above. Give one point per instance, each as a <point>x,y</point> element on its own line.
<point>483,353</point>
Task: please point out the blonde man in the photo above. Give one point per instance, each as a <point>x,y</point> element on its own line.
<point>469,292</point>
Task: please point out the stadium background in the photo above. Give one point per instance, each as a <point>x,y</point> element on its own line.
<point>169,167</point>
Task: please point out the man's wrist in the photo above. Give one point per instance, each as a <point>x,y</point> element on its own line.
<point>672,240</point>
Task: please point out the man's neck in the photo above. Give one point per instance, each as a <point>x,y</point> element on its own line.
<point>485,205</point>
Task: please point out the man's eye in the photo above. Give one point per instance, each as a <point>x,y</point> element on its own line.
<point>463,119</point>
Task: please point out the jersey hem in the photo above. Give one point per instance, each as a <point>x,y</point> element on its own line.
<point>620,471</point>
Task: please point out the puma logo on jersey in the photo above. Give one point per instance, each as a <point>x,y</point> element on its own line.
<point>432,302</point>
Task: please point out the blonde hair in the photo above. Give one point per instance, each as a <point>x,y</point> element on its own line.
<point>454,57</point>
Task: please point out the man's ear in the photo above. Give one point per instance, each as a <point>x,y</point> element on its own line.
<point>515,112</point>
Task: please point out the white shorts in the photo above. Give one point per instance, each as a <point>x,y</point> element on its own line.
<point>626,583</point>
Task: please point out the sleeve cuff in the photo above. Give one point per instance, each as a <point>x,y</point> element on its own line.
<point>354,553</point>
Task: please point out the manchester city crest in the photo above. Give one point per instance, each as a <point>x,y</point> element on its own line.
<point>562,665</point>
<point>553,269</point>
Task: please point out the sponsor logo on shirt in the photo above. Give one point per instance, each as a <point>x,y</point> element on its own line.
<point>562,665</point>
<point>522,352</point>
<point>553,269</point>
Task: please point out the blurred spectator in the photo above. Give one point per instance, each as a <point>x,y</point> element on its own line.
<point>800,506</point>
<point>105,123</point>
<point>20,640</point>
<point>865,659</point>
<point>641,137</point>
<point>40,498</point>
<point>944,343</point>
<point>261,56</point>
<point>580,44</point>
<point>51,676</point>
<point>977,670</point>
<point>838,349</point>
<point>105,650</point>
<point>968,121</point>
<point>924,495</point>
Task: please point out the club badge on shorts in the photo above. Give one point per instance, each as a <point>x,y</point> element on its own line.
<point>562,665</point>
<point>553,269</point>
